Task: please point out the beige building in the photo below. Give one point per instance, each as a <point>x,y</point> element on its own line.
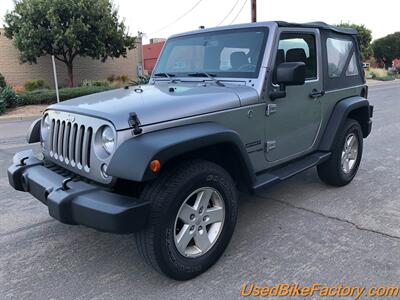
<point>84,68</point>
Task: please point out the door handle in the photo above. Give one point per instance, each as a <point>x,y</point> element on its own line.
<point>315,93</point>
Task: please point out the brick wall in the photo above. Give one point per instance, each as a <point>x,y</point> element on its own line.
<point>84,68</point>
<point>150,54</point>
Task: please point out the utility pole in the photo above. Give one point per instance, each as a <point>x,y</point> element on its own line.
<point>55,78</point>
<point>140,69</point>
<point>253,11</point>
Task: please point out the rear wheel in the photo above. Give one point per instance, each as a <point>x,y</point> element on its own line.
<point>194,209</point>
<point>343,164</point>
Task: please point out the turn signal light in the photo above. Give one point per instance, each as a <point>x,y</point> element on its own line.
<point>155,165</point>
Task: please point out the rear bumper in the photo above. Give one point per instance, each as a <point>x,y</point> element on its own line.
<point>369,127</point>
<point>77,202</point>
<point>371,114</point>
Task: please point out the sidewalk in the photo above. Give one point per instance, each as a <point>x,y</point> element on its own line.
<point>372,82</point>
<point>23,113</point>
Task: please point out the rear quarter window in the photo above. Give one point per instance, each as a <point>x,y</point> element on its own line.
<point>338,52</point>
<point>341,61</point>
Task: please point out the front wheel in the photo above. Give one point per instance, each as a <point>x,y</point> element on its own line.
<point>343,164</point>
<point>194,210</point>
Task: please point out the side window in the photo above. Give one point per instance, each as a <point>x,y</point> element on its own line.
<point>338,52</point>
<point>352,69</point>
<point>299,47</point>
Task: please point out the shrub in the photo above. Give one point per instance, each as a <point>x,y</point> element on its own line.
<point>49,96</point>
<point>375,72</point>
<point>2,81</point>
<point>19,89</point>
<point>95,83</point>
<point>121,78</point>
<point>111,78</point>
<point>8,96</point>
<point>117,84</point>
<point>2,106</point>
<point>32,85</point>
<point>385,78</point>
<point>143,79</point>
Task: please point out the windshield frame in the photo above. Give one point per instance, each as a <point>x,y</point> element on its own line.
<point>223,74</point>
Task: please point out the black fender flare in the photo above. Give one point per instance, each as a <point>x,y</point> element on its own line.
<point>33,135</point>
<point>131,160</point>
<point>340,113</point>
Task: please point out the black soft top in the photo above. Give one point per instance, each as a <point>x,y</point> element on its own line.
<point>320,25</point>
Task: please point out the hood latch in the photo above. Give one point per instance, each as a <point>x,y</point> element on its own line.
<point>134,123</point>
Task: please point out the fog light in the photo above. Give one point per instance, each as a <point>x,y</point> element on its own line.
<point>103,170</point>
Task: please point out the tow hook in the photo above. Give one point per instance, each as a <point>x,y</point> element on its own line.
<point>22,161</point>
<point>64,185</point>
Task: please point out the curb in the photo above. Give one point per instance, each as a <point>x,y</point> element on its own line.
<point>371,82</point>
<point>19,118</point>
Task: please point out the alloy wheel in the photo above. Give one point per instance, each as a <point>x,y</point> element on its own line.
<point>349,153</point>
<point>199,222</point>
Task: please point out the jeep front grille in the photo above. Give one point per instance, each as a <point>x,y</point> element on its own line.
<point>69,142</point>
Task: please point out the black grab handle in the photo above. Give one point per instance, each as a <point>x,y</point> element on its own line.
<point>315,93</point>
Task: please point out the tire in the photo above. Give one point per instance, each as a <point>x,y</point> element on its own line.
<point>158,243</point>
<point>333,172</point>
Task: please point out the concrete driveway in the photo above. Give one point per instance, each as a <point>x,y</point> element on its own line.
<point>300,231</point>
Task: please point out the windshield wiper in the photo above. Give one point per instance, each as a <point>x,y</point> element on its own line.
<point>164,74</point>
<point>208,75</point>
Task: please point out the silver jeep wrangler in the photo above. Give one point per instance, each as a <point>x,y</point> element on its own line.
<point>226,109</point>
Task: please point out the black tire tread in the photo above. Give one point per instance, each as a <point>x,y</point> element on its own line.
<point>328,171</point>
<point>156,192</point>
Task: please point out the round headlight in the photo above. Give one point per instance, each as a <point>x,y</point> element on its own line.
<point>45,128</point>
<point>108,139</point>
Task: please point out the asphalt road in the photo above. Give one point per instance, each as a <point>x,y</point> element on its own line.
<point>300,231</point>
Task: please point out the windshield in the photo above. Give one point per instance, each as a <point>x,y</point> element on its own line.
<point>227,53</point>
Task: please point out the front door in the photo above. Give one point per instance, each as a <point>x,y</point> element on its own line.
<point>293,122</point>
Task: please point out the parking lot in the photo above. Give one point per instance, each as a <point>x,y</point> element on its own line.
<point>300,231</point>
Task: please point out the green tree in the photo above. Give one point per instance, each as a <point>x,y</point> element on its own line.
<point>67,29</point>
<point>364,38</point>
<point>386,49</point>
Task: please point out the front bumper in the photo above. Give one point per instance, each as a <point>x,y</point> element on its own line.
<point>77,202</point>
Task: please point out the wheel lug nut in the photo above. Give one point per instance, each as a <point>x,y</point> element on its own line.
<point>200,228</point>
<point>205,218</point>
<point>201,210</point>
<point>192,217</point>
<point>192,228</point>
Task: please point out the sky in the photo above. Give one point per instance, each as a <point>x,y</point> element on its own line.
<point>156,17</point>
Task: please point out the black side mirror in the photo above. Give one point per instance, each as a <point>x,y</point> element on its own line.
<point>288,73</point>
<point>291,73</point>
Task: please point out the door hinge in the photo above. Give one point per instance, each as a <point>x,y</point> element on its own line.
<point>271,108</point>
<point>270,145</point>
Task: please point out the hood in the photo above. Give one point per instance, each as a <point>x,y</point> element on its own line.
<point>154,103</point>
